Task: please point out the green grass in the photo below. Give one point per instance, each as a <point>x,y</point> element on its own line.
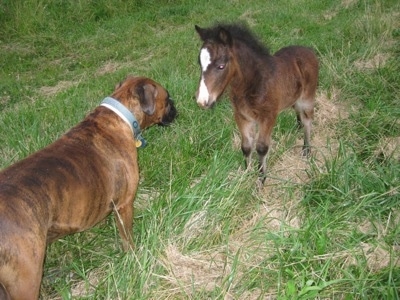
<point>326,228</point>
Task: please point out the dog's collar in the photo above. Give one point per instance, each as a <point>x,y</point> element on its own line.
<point>128,117</point>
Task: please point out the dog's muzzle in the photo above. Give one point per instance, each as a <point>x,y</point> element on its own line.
<point>170,113</point>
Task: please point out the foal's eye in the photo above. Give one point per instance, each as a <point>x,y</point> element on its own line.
<point>221,67</point>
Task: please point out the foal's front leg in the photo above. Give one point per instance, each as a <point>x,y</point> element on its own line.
<point>246,128</point>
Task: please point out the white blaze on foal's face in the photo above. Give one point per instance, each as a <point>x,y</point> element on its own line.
<point>203,94</point>
<point>205,59</point>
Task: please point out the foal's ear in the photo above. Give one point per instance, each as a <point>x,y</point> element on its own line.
<point>225,36</point>
<point>147,98</point>
<point>201,32</point>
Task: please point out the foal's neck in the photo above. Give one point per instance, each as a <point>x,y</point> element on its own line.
<point>251,68</point>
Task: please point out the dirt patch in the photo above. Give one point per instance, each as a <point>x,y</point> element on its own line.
<point>107,68</point>
<point>4,99</point>
<point>375,256</point>
<point>87,287</point>
<point>378,61</point>
<point>79,287</point>
<point>347,3</point>
<point>378,257</point>
<point>49,91</point>
<point>201,271</point>
<point>389,147</point>
<point>195,225</point>
<point>21,49</point>
<point>248,17</point>
<point>110,67</point>
<point>329,15</point>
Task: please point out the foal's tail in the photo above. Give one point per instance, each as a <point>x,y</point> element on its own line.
<point>4,295</point>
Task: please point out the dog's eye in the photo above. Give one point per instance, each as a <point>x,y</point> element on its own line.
<point>221,67</point>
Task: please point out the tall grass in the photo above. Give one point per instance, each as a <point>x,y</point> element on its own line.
<point>323,228</point>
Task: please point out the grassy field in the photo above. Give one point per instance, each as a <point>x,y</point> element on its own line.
<point>323,228</point>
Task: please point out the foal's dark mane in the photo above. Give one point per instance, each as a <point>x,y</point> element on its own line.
<point>241,33</point>
<point>251,59</point>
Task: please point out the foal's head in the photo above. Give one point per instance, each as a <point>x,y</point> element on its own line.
<point>215,59</point>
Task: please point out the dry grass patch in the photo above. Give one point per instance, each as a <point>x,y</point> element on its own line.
<point>196,225</point>
<point>61,86</point>
<point>20,48</point>
<point>108,67</point>
<point>348,3</point>
<point>376,257</point>
<point>379,255</point>
<point>249,17</point>
<point>378,61</point>
<point>4,99</point>
<point>222,269</point>
<point>389,147</point>
<point>345,4</point>
<point>144,197</point>
<point>190,273</point>
<point>87,287</point>
<point>79,288</point>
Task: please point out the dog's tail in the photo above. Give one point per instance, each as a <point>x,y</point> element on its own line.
<point>4,295</point>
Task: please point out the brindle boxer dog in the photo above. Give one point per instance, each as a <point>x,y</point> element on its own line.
<point>75,182</point>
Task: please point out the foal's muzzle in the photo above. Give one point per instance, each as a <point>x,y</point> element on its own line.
<point>205,102</point>
<point>206,105</point>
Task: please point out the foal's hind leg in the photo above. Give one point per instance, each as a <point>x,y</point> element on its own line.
<point>305,114</point>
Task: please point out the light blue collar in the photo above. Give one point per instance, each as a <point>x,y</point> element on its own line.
<point>128,117</point>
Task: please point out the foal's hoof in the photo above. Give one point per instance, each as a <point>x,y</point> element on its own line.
<point>306,152</point>
<point>261,179</point>
<point>260,184</point>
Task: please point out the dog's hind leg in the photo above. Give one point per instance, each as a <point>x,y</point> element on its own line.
<point>21,275</point>
<point>124,218</point>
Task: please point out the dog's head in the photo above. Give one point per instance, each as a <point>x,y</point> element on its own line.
<point>147,100</point>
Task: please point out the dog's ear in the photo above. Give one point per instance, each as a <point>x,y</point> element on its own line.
<point>117,86</point>
<point>147,97</point>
